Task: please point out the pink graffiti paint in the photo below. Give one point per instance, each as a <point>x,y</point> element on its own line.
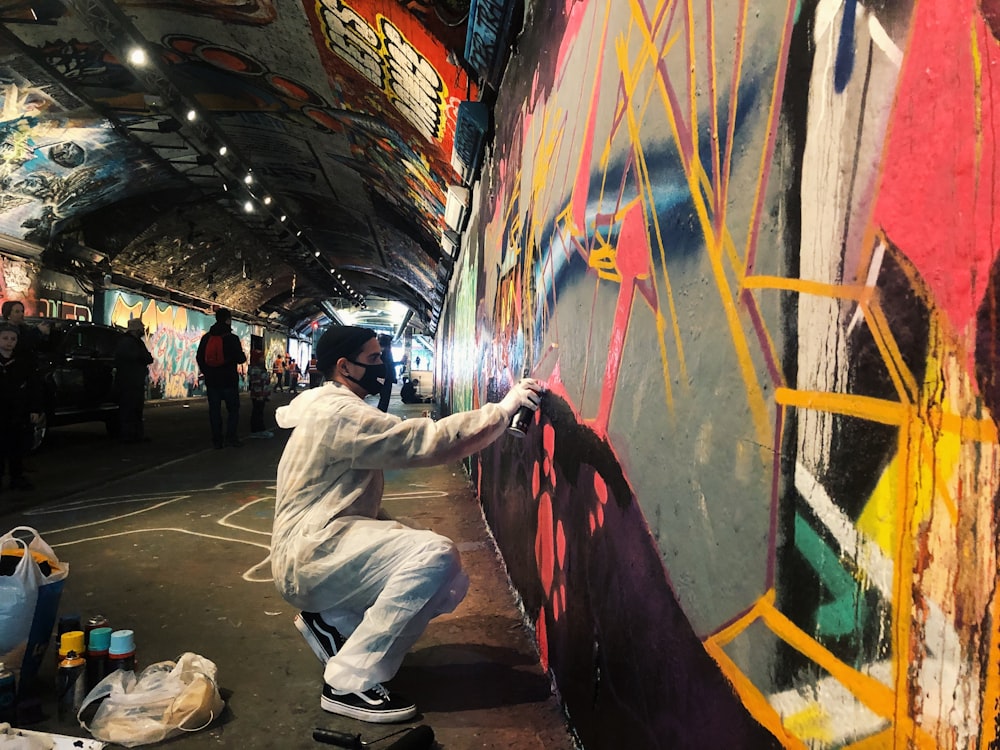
<point>544,543</point>
<point>939,186</point>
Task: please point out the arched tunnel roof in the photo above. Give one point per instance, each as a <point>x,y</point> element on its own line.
<point>281,159</point>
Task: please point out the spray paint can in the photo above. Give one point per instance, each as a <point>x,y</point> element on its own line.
<point>71,640</point>
<point>97,621</point>
<point>66,624</point>
<point>71,686</point>
<point>98,643</point>
<point>8,695</point>
<point>521,421</point>
<point>121,651</point>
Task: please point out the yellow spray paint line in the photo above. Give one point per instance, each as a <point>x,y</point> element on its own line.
<point>972,429</point>
<point>755,397</point>
<point>901,603</point>
<point>902,378</point>
<point>734,94</point>
<point>856,292</point>
<point>752,699</point>
<point>693,116</point>
<point>872,693</point>
<point>977,97</point>
<point>765,155</point>
<point>991,690</point>
<point>744,621</point>
<point>642,168</point>
<point>852,405</point>
<point>713,113</point>
<point>876,696</point>
<point>929,456</point>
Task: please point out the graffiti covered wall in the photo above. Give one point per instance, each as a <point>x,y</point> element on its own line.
<point>172,337</point>
<point>752,249</point>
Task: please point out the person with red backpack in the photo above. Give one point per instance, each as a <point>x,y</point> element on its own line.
<point>219,354</point>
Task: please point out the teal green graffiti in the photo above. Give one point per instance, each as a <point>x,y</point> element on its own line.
<point>847,613</point>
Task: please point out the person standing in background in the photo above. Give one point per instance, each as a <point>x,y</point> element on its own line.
<point>260,391</point>
<point>385,343</point>
<point>30,339</point>
<point>21,405</point>
<point>132,361</point>
<point>315,377</point>
<point>222,378</point>
<point>293,376</point>
<point>278,370</point>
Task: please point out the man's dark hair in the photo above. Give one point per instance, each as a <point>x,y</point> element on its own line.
<point>340,341</point>
<point>8,306</point>
<point>8,327</point>
<point>222,315</point>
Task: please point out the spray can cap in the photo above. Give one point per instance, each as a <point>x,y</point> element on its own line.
<point>122,642</point>
<point>72,659</point>
<point>100,639</point>
<point>71,640</point>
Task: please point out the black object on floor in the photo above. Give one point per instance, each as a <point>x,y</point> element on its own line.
<point>415,738</point>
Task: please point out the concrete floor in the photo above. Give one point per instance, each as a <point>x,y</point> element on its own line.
<point>170,539</point>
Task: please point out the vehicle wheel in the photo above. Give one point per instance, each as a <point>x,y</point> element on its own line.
<point>38,432</point>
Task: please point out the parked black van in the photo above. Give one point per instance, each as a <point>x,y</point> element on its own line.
<point>77,365</point>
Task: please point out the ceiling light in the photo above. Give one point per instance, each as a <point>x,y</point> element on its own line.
<point>223,150</point>
<point>267,200</point>
<point>283,217</point>
<point>248,207</point>
<point>137,56</point>
<point>248,179</point>
<point>192,115</point>
<point>316,253</point>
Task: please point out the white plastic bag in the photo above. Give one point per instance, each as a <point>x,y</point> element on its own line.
<point>31,593</point>
<point>167,698</point>
<point>18,596</point>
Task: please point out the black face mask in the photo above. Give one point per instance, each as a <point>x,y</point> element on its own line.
<point>373,379</point>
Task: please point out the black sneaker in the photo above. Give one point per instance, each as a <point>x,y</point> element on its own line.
<point>375,705</point>
<point>325,640</point>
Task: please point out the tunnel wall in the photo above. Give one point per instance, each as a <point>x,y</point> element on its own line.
<point>173,331</point>
<point>752,250</point>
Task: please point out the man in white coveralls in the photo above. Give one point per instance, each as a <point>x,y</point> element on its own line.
<point>367,585</point>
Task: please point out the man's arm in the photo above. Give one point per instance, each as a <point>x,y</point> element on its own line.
<point>200,356</point>
<point>236,350</point>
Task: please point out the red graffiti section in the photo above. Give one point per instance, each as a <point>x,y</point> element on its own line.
<point>400,59</point>
<point>940,184</point>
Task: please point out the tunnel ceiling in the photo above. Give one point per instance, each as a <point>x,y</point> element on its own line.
<point>282,159</point>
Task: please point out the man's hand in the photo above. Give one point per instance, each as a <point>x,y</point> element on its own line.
<point>526,392</point>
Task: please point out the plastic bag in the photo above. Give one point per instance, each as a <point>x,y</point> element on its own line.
<point>18,594</point>
<point>31,581</point>
<point>166,699</point>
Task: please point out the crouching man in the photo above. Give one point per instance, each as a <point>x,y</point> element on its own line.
<point>367,586</point>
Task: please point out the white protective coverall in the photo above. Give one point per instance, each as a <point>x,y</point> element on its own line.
<point>332,551</point>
